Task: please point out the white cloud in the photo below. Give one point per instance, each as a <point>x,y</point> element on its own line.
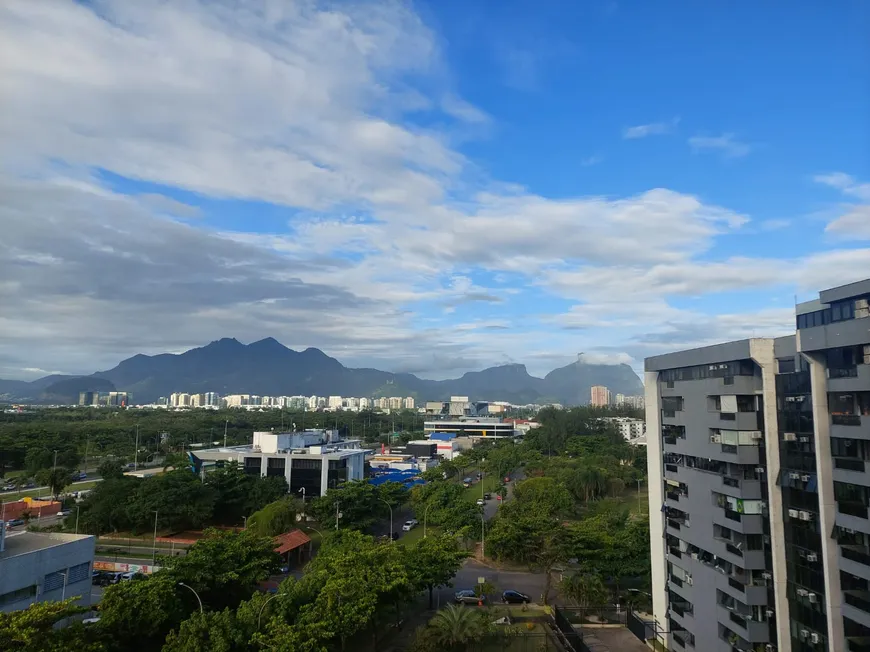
<point>853,224</point>
<point>726,144</point>
<point>462,110</point>
<point>846,183</point>
<point>651,129</point>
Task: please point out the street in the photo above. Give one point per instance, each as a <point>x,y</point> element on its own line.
<point>532,584</point>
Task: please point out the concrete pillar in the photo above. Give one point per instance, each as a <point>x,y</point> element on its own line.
<point>655,472</point>
<point>761,351</point>
<point>827,504</point>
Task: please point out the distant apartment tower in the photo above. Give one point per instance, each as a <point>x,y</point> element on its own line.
<point>408,403</point>
<point>600,396</point>
<point>364,404</point>
<point>759,531</point>
<point>334,402</point>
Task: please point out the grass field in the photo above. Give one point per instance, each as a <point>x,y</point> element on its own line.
<point>490,484</point>
<point>12,496</point>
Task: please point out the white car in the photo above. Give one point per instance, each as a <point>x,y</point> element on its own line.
<point>481,502</point>
<point>409,525</point>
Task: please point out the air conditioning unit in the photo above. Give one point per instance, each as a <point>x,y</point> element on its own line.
<point>689,580</point>
<point>804,440</point>
<point>794,476</point>
<point>815,638</point>
<point>862,303</point>
<point>812,597</point>
<point>789,436</point>
<point>793,513</point>
<point>805,478</point>
<point>756,435</point>
<point>715,439</point>
<point>759,469</point>
<point>805,516</point>
<point>812,557</point>
<point>769,647</point>
<point>803,593</point>
<point>694,555</point>
<point>805,633</point>
<point>767,575</point>
<point>770,613</point>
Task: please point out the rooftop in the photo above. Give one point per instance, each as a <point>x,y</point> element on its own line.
<point>27,542</point>
<point>290,541</point>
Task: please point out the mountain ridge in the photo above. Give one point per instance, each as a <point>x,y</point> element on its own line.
<point>267,367</point>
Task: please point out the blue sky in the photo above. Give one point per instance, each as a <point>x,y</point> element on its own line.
<point>431,187</point>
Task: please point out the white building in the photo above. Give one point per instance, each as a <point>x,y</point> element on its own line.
<point>408,403</point>
<point>480,427</point>
<point>364,404</point>
<point>40,566</point>
<point>334,402</point>
<point>629,428</point>
<point>313,460</point>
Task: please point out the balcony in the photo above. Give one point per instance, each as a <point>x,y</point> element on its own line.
<point>851,379</point>
<point>846,419</point>
<point>855,560</point>
<point>849,464</point>
<point>852,509</point>
<point>850,426</point>
<point>856,554</point>
<point>751,630</point>
<point>672,468</point>
<point>746,489</point>
<point>858,599</point>
<point>743,589</point>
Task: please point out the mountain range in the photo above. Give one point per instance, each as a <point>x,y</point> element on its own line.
<point>268,368</point>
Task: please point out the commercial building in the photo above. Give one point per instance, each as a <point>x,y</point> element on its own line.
<point>105,399</point>
<point>481,427</point>
<point>600,396</point>
<point>313,460</point>
<point>39,566</point>
<point>759,531</point>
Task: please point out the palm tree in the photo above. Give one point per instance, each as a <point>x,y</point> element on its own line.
<point>586,590</point>
<point>456,627</point>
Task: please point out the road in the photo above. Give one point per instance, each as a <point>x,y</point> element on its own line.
<point>4,492</point>
<point>532,584</point>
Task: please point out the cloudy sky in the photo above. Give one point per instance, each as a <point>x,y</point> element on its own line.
<point>429,187</point>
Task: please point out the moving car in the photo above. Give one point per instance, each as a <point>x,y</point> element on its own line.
<point>132,575</point>
<point>409,525</point>
<point>515,597</point>
<point>101,578</point>
<point>15,522</point>
<point>468,596</point>
<point>481,501</point>
<point>487,496</point>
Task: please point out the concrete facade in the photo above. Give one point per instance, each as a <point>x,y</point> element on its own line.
<point>763,538</point>
<point>37,566</point>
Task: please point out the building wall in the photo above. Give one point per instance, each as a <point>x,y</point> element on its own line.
<point>21,571</point>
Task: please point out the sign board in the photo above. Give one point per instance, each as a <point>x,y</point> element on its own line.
<point>114,567</point>
<point>481,580</point>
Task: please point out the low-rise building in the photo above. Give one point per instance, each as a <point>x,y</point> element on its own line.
<point>311,461</point>
<point>40,566</point>
<point>629,428</point>
<point>480,427</point>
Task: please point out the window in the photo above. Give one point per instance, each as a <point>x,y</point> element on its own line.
<point>79,573</point>
<point>52,582</point>
<point>27,593</point>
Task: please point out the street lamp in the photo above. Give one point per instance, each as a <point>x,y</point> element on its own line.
<point>244,522</point>
<point>154,556</point>
<point>309,527</point>
<point>63,592</point>
<point>78,509</point>
<point>391,518</point>
<point>263,606</point>
<point>425,512</point>
<point>195,593</point>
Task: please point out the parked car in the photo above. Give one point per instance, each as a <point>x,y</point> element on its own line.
<point>481,502</point>
<point>409,525</point>
<point>487,496</point>
<point>468,480</point>
<point>64,512</point>
<point>101,578</point>
<point>10,487</point>
<point>468,596</point>
<point>15,522</point>
<point>515,597</point>
<point>81,476</point>
<point>132,575</point>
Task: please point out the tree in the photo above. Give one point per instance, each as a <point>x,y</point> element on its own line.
<point>104,508</point>
<point>239,494</point>
<point>433,562</point>
<point>181,501</point>
<point>455,628</point>
<point>56,479</point>
<point>585,589</point>
<point>225,567</point>
<point>33,629</point>
<point>359,503</point>
<point>38,459</point>
<point>212,631</point>
<point>275,518</point>
<point>110,470</point>
<point>138,615</point>
<point>545,495</point>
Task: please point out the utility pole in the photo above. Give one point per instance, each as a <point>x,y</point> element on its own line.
<point>136,454</point>
<point>154,556</point>
<point>226,425</point>
<point>336,515</point>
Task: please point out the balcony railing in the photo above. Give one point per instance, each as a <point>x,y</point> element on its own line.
<point>734,550</point>
<point>727,416</point>
<point>734,584</point>
<point>737,619</point>
<point>846,419</point>
<point>671,441</point>
<point>676,581</point>
<point>675,552</point>
<point>859,601</point>
<point>669,414</point>
<point>673,495</point>
<point>842,372</point>
<point>862,557</point>
<point>730,482</point>
<point>672,467</point>
<point>732,515</point>
<point>848,464</point>
<point>853,509</point>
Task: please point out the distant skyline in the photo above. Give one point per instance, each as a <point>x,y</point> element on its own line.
<point>429,187</point>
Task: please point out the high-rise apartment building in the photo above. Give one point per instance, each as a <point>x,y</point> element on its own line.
<point>408,403</point>
<point>600,396</point>
<point>759,526</point>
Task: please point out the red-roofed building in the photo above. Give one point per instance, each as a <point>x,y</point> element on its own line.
<point>294,540</point>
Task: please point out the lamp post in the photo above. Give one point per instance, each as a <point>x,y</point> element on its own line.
<point>391,518</point>
<point>78,510</point>
<point>309,527</point>
<point>244,522</point>
<point>425,512</point>
<point>263,606</point>
<point>63,592</point>
<point>154,556</point>
<point>195,593</point>
<point>55,460</point>
<point>482,532</point>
